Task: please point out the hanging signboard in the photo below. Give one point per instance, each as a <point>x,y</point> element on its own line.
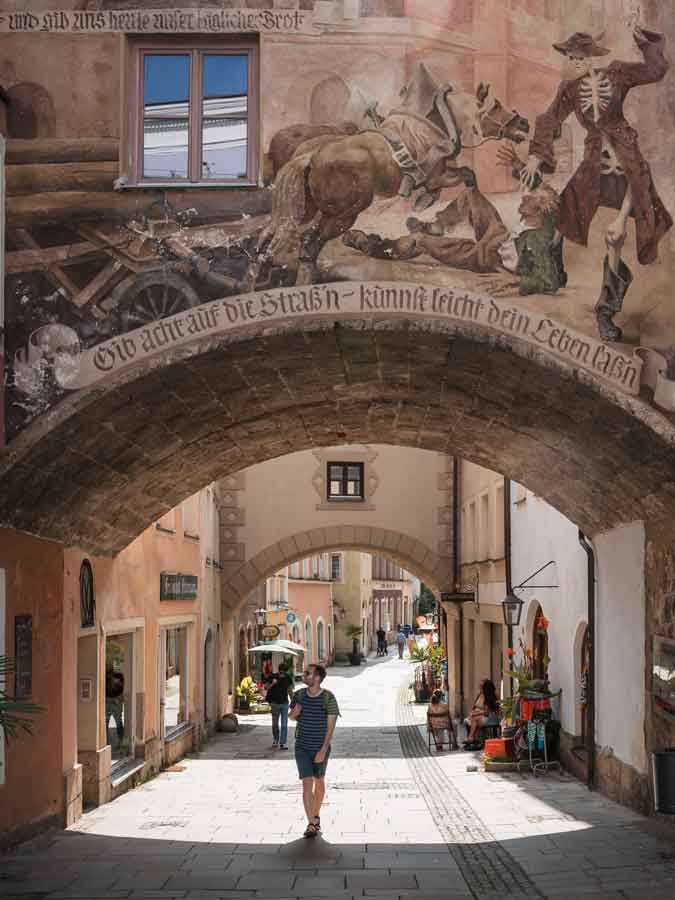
<point>269,632</point>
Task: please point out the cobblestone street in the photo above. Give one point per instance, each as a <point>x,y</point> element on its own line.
<point>397,823</point>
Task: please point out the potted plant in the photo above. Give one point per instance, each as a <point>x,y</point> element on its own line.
<point>14,712</point>
<point>247,693</point>
<point>354,632</point>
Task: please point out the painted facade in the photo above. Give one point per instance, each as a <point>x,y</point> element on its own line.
<point>128,659</point>
<point>399,158</point>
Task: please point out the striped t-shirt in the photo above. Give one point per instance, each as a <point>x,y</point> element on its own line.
<point>312,724</point>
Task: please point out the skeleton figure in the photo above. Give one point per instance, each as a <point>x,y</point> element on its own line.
<point>613,172</point>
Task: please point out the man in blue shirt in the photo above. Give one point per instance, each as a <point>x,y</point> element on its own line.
<point>315,710</point>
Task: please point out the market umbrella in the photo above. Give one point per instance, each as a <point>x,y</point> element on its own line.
<point>273,647</point>
<point>291,645</point>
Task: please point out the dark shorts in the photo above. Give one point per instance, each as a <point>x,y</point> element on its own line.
<point>307,768</point>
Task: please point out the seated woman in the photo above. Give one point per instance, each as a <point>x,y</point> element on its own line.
<point>439,722</point>
<point>485,712</point>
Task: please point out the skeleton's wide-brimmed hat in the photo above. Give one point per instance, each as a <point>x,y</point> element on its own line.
<point>581,44</point>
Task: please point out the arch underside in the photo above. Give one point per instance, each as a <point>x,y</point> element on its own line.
<point>109,461</point>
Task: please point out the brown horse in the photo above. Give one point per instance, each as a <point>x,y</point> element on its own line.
<point>326,177</point>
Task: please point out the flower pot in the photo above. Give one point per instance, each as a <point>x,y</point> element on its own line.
<point>355,659</point>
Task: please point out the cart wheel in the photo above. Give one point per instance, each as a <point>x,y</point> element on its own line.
<point>145,298</point>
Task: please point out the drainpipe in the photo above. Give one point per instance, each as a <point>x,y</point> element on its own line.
<point>590,689</point>
<point>455,574</point>
<point>508,572</point>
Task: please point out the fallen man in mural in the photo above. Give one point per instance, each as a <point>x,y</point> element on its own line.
<point>528,254</point>
<point>613,172</point>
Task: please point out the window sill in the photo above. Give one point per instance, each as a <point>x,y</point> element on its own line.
<point>190,537</point>
<point>125,768</point>
<point>177,731</point>
<point>165,530</point>
<point>121,186</point>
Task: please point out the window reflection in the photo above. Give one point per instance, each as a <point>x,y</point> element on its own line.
<point>166,94</point>
<point>224,115</point>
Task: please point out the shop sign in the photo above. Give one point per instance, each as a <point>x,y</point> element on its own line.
<point>176,586</point>
<point>291,618</point>
<point>270,632</point>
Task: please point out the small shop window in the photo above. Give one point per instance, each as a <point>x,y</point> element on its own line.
<point>194,112</point>
<point>345,481</point>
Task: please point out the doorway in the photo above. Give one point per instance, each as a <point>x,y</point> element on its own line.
<point>119,695</point>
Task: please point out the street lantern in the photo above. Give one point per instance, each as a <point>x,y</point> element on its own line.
<point>512,607</point>
<point>260,616</point>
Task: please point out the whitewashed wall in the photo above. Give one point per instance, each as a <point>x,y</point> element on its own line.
<point>620,647</point>
<point>539,534</point>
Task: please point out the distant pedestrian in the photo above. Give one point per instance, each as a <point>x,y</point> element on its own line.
<point>381,641</point>
<point>279,694</point>
<point>401,641</point>
<point>315,710</point>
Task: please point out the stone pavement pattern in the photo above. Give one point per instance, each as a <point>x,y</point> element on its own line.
<point>397,824</point>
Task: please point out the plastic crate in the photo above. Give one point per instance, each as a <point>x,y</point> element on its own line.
<point>499,748</point>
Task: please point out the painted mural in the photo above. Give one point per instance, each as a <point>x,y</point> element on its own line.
<point>518,160</point>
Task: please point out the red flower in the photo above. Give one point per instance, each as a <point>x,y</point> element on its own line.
<point>509,651</point>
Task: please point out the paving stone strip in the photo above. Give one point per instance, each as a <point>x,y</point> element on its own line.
<point>488,869</point>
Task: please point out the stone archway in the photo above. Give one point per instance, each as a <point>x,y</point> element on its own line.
<point>400,548</point>
<point>112,458</point>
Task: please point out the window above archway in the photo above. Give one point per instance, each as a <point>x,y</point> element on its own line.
<point>346,478</point>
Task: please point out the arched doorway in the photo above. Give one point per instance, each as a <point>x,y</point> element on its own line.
<point>309,650</point>
<point>329,101</point>
<point>540,657</point>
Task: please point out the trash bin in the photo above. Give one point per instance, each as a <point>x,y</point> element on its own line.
<point>664,763</point>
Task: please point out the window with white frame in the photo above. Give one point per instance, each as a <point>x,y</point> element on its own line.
<point>336,567</point>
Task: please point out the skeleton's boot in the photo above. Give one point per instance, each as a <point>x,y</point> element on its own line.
<point>614,288</point>
<point>559,262</point>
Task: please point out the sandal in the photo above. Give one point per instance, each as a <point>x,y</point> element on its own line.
<point>313,828</point>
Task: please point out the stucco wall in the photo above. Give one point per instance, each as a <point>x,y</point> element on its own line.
<point>34,787</point>
<point>539,534</point>
<point>620,650</point>
<point>406,498</point>
<point>309,599</point>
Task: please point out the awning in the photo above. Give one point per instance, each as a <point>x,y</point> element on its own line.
<point>273,647</point>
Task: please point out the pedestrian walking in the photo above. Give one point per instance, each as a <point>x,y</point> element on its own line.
<point>401,641</point>
<point>279,695</point>
<point>381,641</point>
<point>315,710</point>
